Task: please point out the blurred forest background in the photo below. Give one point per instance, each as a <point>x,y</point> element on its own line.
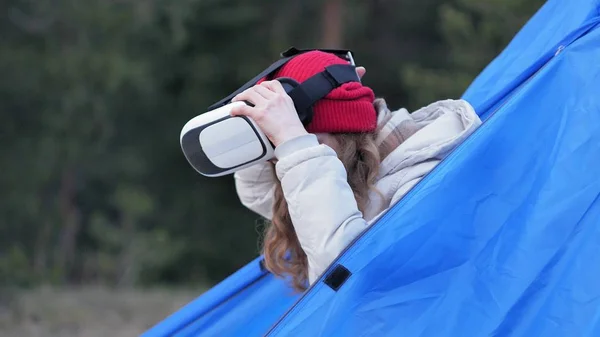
<point>93,93</point>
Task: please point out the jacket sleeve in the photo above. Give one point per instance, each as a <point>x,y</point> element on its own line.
<point>255,187</point>
<point>320,201</point>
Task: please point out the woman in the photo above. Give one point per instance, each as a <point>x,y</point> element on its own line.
<point>332,179</point>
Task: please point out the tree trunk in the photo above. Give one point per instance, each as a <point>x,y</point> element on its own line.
<point>71,223</point>
<point>40,259</point>
<point>127,269</point>
<point>332,23</point>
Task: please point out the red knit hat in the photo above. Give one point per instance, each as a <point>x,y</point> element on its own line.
<point>347,108</point>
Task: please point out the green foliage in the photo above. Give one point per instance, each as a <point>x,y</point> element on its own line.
<point>14,269</point>
<point>94,93</point>
<point>474,32</point>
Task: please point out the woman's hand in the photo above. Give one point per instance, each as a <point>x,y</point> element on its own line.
<point>273,111</point>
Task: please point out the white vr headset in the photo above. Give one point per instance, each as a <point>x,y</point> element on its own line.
<point>216,143</point>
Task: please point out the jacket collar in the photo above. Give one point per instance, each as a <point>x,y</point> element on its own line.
<point>405,139</point>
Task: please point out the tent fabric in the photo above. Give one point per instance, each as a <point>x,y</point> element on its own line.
<point>501,239</point>
<point>266,292</point>
<point>553,27</point>
<point>245,304</point>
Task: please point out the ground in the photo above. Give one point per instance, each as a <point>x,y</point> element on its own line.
<point>89,312</point>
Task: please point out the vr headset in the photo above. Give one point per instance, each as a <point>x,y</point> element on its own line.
<point>216,143</point>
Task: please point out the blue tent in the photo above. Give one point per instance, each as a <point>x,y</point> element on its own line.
<point>501,239</point>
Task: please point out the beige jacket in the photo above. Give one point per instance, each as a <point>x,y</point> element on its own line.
<point>321,204</point>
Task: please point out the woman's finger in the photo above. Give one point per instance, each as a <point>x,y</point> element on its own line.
<point>361,72</point>
<point>275,86</point>
<point>264,91</point>
<point>251,96</point>
<point>242,110</point>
